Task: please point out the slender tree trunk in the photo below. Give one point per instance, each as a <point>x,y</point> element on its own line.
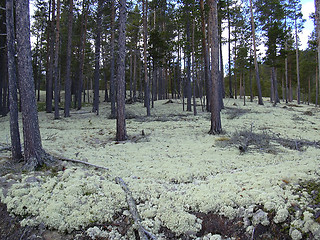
<point>194,78</point>
<point>97,59</point>
<point>14,126</point>
<point>82,51</point>
<point>206,58</point>
<point>112,61</point>
<point>56,64</point>
<point>121,118</point>
<point>33,151</point>
<point>297,60</point>
<point>68,81</point>
<point>260,101</point>
<point>188,52</point>
<point>213,35</point>
<point>50,58</point>
<point>145,66</point>
<point>286,74</point>
<point>229,51</point>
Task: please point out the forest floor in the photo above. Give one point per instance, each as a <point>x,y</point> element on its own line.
<point>257,180</point>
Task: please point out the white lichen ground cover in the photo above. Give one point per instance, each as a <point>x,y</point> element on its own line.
<point>176,169</point>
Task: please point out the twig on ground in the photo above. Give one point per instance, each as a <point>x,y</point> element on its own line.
<point>82,162</point>
<point>133,210</point>
<point>5,149</point>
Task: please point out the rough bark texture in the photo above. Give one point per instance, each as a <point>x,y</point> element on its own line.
<point>13,98</point>
<point>97,60</point>
<point>121,120</point>
<point>50,59</point>
<point>112,61</point>
<point>33,151</point>
<point>213,34</point>
<point>206,58</point>
<point>82,53</point>
<point>56,64</point>
<point>188,55</point>
<point>67,102</point>
<point>253,31</point>
<point>145,34</point>
<point>297,60</point>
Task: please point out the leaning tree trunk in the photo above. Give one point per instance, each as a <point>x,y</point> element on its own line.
<point>33,151</point>
<point>67,102</point>
<point>260,101</point>
<point>14,126</point>
<point>121,118</point>
<point>213,35</point>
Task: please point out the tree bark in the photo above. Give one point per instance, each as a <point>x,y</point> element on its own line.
<point>56,64</point>
<point>67,102</point>
<point>145,41</point>
<point>50,59</point>
<point>13,97</point>
<point>121,118</point>
<point>206,58</point>
<point>33,151</point>
<point>85,7</point>
<point>260,101</point>
<point>216,127</point>
<point>97,59</point>
<point>297,59</point>
<point>112,61</point>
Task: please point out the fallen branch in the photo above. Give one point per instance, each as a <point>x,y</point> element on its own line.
<point>82,162</point>
<point>145,235</point>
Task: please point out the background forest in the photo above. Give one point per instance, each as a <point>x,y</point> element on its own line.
<point>84,35</point>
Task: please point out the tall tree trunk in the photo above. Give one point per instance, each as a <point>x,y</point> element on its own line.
<point>194,77</point>
<point>97,59</point>
<point>68,81</point>
<point>206,58</point>
<point>145,41</point>
<point>14,126</point>
<point>286,74</point>
<point>188,55</point>
<point>229,51</point>
<point>56,65</point>
<point>50,58</point>
<point>82,51</point>
<point>260,101</point>
<point>213,35</point>
<point>297,59</point>
<point>33,151</point>
<point>112,61</point>
<point>121,118</point>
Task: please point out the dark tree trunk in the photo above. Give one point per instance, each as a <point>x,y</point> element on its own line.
<point>14,126</point>
<point>33,151</point>
<point>145,34</point>
<point>50,60</point>
<point>97,60</point>
<point>121,118</point>
<point>56,64</point>
<point>229,52</point>
<point>213,34</point>
<point>67,102</point>
<point>112,61</point>
<point>317,14</point>
<point>188,55</point>
<point>260,101</point>
<point>82,52</point>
